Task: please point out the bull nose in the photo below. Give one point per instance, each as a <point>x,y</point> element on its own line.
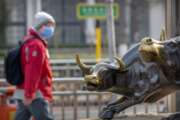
<point>92,79</point>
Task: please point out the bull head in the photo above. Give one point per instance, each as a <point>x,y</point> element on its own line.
<point>95,76</point>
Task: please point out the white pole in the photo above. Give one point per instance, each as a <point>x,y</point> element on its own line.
<point>128,19</point>
<point>33,6</point>
<point>90,27</point>
<point>123,47</point>
<point>111,30</point>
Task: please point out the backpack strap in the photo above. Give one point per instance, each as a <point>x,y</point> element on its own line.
<point>22,42</point>
<point>29,38</point>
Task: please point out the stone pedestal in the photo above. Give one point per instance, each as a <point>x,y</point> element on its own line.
<point>137,117</point>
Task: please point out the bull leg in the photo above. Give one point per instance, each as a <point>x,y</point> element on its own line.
<point>118,100</point>
<point>108,112</point>
<point>175,116</point>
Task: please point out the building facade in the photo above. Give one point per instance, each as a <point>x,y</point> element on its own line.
<point>133,23</point>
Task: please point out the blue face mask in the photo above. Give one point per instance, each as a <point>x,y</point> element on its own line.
<point>47,32</point>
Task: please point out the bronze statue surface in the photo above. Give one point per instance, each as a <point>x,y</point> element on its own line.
<point>149,71</point>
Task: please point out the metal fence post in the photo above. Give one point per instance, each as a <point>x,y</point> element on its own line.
<point>87,106</point>
<point>111,30</point>
<point>62,108</point>
<point>75,105</point>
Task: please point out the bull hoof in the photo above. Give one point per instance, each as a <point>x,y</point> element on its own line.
<point>106,115</point>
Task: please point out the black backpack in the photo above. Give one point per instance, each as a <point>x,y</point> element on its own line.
<point>12,65</point>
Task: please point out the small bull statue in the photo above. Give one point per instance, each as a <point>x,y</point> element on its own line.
<point>148,71</point>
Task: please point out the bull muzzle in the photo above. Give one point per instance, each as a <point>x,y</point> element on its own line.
<point>92,82</point>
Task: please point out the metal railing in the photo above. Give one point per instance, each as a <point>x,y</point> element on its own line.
<point>75,101</point>
<point>60,67</point>
<point>70,106</point>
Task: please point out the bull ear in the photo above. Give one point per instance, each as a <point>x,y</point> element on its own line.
<point>85,69</point>
<point>163,35</point>
<point>121,64</point>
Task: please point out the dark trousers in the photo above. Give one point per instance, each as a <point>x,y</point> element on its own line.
<point>39,109</point>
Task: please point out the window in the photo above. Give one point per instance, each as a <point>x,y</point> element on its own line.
<point>15,23</point>
<point>69,30</point>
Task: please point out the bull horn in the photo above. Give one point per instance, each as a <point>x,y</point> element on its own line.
<point>86,69</point>
<point>122,66</point>
<point>163,35</point>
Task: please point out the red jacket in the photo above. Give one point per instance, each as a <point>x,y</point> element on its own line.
<point>36,67</point>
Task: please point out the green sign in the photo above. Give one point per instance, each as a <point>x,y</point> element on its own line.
<point>96,11</point>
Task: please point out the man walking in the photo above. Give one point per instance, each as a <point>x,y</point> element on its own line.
<point>35,94</point>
